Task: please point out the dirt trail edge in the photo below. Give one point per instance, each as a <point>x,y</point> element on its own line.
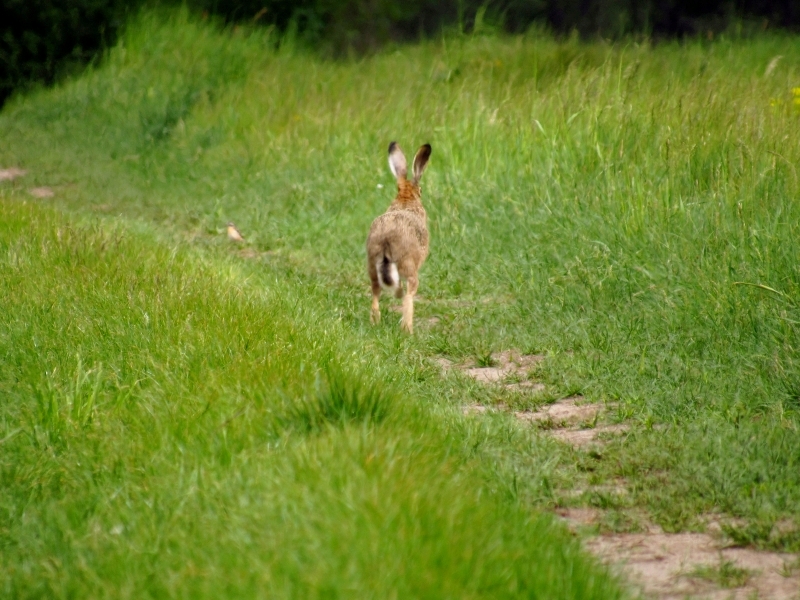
<point>659,565</point>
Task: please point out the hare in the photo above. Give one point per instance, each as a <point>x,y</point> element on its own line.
<point>397,244</point>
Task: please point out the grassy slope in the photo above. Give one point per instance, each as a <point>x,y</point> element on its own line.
<point>170,429</point>
<point>595,203</point>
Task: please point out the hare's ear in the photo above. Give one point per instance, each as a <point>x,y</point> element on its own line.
<point>397,161</point>
<point>421,160</point>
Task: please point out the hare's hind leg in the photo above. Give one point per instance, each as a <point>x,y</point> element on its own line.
<point>375,313</point>
<point>408,303</point>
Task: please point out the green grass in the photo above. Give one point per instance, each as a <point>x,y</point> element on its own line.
<point>613,207</point>
<point>726,574</point>
<point>171,429</point>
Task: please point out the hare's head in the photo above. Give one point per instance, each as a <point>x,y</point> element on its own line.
<point>408,190</point>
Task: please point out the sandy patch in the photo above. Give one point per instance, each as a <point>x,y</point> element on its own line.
<point>678,565</point>
<point>573,421</point>
<point>567,411</point>
<point>504,366</point>
<point>11,173</point>
<point>570,420</point>
<point>672,566</point>
<point>41,192</point>
<point>675,566</point>
<point>564,421</point>
<point>445,364</point>
<point>509,369</point>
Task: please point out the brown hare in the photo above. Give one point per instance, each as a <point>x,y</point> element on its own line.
<point>397,244</point>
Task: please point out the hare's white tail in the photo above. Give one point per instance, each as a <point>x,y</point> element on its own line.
<point>387,273</point>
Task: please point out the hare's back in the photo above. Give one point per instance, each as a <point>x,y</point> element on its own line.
<point>402,231</point>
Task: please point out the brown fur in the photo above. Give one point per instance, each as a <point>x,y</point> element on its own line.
<point>401,236</point>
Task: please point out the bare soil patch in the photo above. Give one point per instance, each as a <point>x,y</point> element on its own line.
<point>574,421</point>
<point>585,437</point>
<point>677,565</point>
<point>41,192</point>
<point>504,367</point>
<point>673,566</point>
<point>509,369</point>
<point>571,420</point>
<point>565,412</point>
<point>11,173</point>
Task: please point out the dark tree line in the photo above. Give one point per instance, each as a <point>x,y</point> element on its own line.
<point>43,39</point>
<point>364,24</point>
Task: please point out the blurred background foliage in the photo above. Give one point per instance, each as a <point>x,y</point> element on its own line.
<point>44,40</point>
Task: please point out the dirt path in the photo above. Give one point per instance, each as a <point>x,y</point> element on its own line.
<point>659,565</point>
<point>675,566</point>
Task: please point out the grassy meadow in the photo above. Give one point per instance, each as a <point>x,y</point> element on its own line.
<point>184,418</point>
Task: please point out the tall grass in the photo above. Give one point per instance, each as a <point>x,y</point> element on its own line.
<point>628,210</point>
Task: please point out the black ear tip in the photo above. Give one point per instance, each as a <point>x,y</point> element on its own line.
<point>392,146</point>
<point>428,148</point>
